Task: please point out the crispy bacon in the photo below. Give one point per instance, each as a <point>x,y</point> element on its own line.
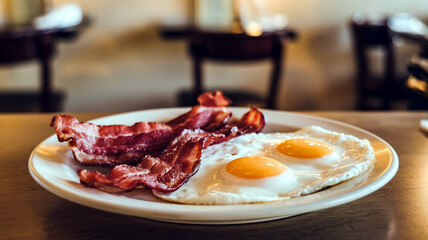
<point>169,171</point>
<point>111,145</point>
<point>177,163</point>
<point>213,99</point>
<point>116,144</point>
<point>166,155</point>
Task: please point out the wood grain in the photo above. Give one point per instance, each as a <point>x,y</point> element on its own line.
<point>399,210</point>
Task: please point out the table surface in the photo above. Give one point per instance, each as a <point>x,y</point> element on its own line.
<point>399,210</point>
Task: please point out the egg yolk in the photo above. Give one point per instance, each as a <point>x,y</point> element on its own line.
<point>255,167</point>
<point>304,148</point>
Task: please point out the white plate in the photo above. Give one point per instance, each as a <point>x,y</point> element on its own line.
<point>52,166</point>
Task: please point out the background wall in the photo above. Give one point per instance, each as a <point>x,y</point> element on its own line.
<point>121,64</point>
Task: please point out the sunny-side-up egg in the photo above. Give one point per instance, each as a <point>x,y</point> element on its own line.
<point>268,167</point>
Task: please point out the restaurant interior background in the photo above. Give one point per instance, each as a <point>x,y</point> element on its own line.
<point>120,62</point>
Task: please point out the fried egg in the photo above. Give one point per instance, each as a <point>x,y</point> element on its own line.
<point>266,167</point>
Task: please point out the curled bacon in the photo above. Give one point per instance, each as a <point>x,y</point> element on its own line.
<point>177,163</point>
<point>169,171</point>
<point>116,144</point>
<point>214,99</point>
<point>166,155</point>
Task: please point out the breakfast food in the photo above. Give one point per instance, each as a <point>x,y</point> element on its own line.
<point>206,157</point>
<point>166,155</point>
<point>265,167</point>
<point>119,144</point>
<point>176,164</point>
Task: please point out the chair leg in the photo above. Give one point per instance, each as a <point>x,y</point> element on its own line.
<point>197,77</point>
<point>275,76</point>
<point>360,98</point>
<point>46,49</point>
<point>46,90</point>
<point>388,79</point>
<point>361,101</point>
<point>276,72</point>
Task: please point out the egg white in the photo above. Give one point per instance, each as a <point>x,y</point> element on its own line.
<point>212,184</point>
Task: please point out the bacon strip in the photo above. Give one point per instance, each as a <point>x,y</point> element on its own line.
<point>214,99</point>
<point>170,170</point>
<point>177,163</point>
<point>117,144</point>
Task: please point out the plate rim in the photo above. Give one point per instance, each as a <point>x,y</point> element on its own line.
<point>216,213</point>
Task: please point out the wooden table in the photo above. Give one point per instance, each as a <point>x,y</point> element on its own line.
<point>399,210</point>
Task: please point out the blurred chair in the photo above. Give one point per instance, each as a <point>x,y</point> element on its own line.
<point>20,44</point>
<point>371,31</point>
<point>415,31</point>
<point>26,45</point>
<point>237,47</point>
<point>417,83</point>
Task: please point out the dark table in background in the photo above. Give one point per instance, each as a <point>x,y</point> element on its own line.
<point>399,210</point>
<point>183,31</point>
<point>20,44</point>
